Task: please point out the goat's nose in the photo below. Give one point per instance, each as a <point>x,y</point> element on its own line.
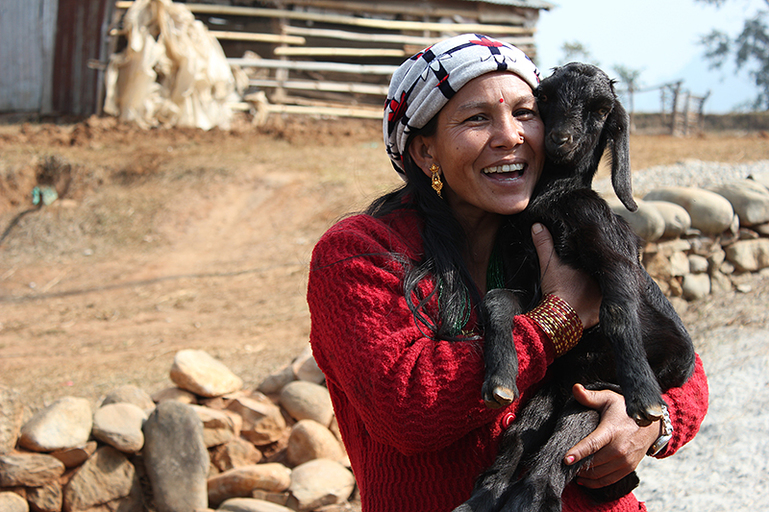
<point>560,138</point>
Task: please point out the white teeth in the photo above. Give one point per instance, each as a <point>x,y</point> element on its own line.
<point>503,168</point>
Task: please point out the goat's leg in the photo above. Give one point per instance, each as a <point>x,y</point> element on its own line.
<point>499,387</point>
<point>620,323</point>
<point>669,347</point>
<point>547,475</point>
<point>541,489</point>
<point>530,430</point>
<point>609,249</point>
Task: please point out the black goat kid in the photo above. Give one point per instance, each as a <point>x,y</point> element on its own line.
<point>640,347</point>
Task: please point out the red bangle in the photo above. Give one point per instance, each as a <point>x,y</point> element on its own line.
<point>559,321</point>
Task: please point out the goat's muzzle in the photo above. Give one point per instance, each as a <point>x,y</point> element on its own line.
<point>559,145</point>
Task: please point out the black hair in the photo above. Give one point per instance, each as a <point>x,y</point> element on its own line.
<point>444,243</point>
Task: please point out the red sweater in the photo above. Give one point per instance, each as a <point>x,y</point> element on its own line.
<point>409,408</point>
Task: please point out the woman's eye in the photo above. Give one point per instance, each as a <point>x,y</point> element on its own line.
<point>525,113</point>
<point>475,118</point>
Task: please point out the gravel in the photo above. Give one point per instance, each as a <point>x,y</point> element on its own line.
<point>689,173</point>
<point>726,466</point>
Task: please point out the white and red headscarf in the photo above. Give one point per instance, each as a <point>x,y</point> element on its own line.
<point>423,84</point>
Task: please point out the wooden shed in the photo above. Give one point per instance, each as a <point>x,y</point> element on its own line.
<point>307,56</point>
<point>336,56</point>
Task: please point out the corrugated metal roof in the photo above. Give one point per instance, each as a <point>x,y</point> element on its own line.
<point>531,4</point>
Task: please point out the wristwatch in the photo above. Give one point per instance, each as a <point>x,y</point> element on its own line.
<point>666,432</point>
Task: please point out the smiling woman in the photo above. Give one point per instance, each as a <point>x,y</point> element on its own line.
<point>394,293</point>
<point>490,152</point>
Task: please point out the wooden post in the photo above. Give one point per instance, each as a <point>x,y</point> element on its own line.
<point>701,112</point>
<point>675,116</point>
<point>281,74</point>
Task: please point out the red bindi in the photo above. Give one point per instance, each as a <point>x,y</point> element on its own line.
<point>501,100</point>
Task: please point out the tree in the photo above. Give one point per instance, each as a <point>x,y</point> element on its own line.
<point>631,79</point>
<point>576,51</point>
<point>750,50</point>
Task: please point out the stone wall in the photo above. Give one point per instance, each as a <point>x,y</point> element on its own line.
<point>204,444</point>
<point>697,240</point>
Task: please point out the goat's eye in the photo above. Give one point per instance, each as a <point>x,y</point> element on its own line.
<point>603,112</point>
<point>542,98</point>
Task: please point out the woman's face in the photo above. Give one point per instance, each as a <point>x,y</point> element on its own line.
<point>489,146</point>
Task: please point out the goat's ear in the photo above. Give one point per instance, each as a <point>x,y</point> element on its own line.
<point>618,134</point>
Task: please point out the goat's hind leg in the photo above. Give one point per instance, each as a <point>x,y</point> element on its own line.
<point>547,475</point>
<point>528,432</point>
<point>499,387</point>
<point>615,266</point>
<point>621,324</point>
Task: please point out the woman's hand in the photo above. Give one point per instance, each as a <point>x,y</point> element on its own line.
<point>618,443</point>
<point>574,286</point>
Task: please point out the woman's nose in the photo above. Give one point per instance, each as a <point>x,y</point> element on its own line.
<point>509,133</point>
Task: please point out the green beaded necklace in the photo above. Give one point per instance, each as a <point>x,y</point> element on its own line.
<point>495,278</point>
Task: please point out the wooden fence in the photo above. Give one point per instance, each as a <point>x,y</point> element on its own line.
<point>682,113</point>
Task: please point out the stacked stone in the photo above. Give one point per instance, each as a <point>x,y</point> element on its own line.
<point>204,444</point>
<point>701,240</point>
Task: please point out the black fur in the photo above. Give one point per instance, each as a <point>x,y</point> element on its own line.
<point>640,347</point>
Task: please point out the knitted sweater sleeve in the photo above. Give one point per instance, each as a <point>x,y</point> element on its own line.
<point>411,391</point>
<point>688,406</point>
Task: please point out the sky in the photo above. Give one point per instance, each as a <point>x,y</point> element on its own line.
<point>658,37</point>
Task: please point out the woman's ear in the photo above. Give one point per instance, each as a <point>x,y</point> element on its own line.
<point>421,151</point>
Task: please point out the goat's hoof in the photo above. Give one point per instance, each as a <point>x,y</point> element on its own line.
<point>500,397</point>
<point>647,417</point>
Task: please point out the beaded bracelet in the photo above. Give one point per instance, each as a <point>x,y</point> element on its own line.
<point>559,321</point>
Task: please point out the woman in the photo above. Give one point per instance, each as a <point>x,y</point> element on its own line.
<point>393,294</point>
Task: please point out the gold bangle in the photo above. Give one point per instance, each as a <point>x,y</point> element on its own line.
<point>559,321</point>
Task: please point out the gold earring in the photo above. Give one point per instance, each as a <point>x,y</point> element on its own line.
<point>437,183</point>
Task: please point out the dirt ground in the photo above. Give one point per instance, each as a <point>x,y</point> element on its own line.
<point>165,240</point>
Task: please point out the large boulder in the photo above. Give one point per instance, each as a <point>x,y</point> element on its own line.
<point>12,502</point>
<point>646,222</point>
<point>677,219</point>
<point>310,440</point>
<point>319,482</point>
<point>749,255</point>
<point>711,213</point>
<point>307,401</point>
<point>241,482</point>
<point>66,423</point>
<point>198,372</point>
<point>11,418</point>
<point>120,425</point>
<point>263,422</point>
<point>176,458</point>
<point>130,394</point>
<point>749,199</point>
<point>29,469</point>
<point>106,477</point>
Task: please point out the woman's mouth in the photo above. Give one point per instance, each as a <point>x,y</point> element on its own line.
<point>507,171</point>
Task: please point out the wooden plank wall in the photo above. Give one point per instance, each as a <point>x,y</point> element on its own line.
<point>336,56</point>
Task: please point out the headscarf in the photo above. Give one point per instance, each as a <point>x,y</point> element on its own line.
<point>424,83</point>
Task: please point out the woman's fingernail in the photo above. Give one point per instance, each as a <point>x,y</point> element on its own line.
<point>570,460</point>
<point>536,228</point>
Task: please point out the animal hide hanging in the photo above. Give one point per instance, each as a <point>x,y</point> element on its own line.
<point>173,72</point>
